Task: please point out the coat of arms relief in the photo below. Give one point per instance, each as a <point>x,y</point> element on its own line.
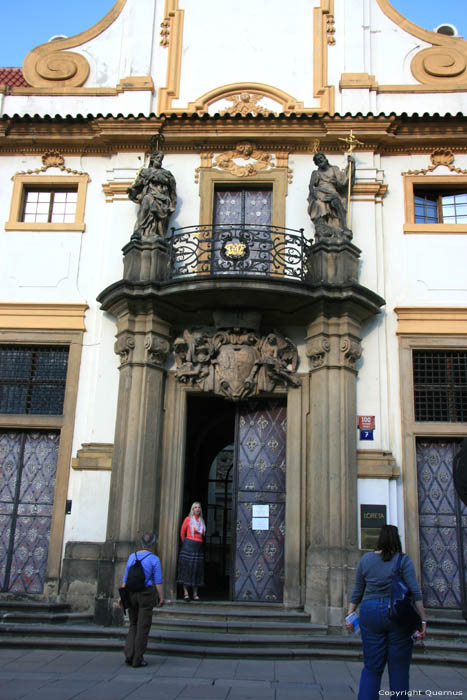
<point>235,363</point>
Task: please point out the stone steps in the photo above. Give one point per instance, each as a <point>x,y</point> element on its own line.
<point>221,631</point>
<point>38,612</point>
<point>219,645</point>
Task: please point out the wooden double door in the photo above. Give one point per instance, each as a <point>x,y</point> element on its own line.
<point>236,467</point>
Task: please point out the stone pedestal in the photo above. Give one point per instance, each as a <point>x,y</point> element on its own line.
<point>146,260</point>
<point>333,263</point>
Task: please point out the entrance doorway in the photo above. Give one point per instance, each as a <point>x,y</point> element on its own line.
<point>235,466</point>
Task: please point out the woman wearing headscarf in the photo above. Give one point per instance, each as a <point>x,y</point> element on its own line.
<point>191,557</point>
<point>384,640</point>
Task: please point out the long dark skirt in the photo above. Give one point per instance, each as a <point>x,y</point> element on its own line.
<point>191,563</point>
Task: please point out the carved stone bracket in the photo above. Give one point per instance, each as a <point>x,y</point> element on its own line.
<point>317,350</point>
<point>235,362</point>
<point>333,343</point>
<point>351,350</point>
<point>124,346</point>
<point>157,349</point>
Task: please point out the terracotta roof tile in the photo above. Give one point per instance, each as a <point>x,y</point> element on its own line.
<point>12,77</point>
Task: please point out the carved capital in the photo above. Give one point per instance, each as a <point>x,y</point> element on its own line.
<point>157,349</point>
<point>317,350</point>
<point>124,346</point>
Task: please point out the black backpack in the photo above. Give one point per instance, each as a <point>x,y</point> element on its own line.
<point>135,580</point>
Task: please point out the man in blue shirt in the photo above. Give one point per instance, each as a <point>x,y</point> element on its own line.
<point>142,602</point>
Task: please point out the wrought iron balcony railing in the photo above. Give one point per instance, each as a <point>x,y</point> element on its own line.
<point>239,249</point>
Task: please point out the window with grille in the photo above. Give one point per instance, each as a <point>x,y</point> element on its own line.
<point>440,206</point>
<point>440,385</point>
<point>50,206</point>
<point>32,379</point>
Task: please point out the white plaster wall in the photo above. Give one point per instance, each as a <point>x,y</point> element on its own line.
<point>379,492</point>
<point>225,43</point>
<point>89,492</point>
<point>256,41</point>
<point>71,266</point>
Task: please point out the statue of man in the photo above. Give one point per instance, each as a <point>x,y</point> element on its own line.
<point>328,195</point>
<point>155,191</point>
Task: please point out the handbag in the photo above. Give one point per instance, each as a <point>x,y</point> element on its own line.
<point>402,608</point>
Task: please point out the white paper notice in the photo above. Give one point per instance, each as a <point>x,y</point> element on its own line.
<point>260,523</point>
<point>260,511</point>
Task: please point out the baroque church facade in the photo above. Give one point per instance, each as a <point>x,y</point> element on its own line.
<point>233,272</point>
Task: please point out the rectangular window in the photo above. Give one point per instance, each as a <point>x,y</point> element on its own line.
<point>440,385</point>
<point>50,206</point>
<point>32,379</point>
<point>43,203</point>
<point>252,206</point>
<point>440,207</point>
<point>242,236</point>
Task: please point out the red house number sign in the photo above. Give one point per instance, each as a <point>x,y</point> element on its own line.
<point>366,426</point>
<point>366,422</point>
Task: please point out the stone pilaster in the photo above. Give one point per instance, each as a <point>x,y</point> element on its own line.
<point>333,346</point>
<point>143,346</point>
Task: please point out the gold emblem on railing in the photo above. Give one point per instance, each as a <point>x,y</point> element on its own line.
<point>235,250</point>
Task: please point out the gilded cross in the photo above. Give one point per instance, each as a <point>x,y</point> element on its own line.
<point>352,142</point>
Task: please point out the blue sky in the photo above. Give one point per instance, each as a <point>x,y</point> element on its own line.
<point>38,20</point>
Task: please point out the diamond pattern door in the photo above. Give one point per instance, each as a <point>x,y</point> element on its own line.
<point>29,464</point>
<point>443,526</point>
<point>259,550</point>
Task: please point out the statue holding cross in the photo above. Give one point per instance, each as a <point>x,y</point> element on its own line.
<point>329,195</point>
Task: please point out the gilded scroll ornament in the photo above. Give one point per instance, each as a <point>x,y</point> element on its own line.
<point>251,160</point>
<point>51,159</point>
<point>235,363</point>
<point>165,33</point>
<point>245,103</point>
<point>440,156</point>
<point>330,30</point>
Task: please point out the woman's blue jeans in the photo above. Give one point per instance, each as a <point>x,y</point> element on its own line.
<point>383,641</point>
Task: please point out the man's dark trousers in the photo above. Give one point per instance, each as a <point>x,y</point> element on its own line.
<point>140,614</point>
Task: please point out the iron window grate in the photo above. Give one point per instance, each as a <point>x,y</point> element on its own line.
<point>440,385</point>
<point>32,379</point>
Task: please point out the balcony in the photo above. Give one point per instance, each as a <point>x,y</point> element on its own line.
<point>277,271</point>
<point>239,249</point>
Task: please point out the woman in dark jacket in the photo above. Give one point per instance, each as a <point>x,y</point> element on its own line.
<point>383,639</point>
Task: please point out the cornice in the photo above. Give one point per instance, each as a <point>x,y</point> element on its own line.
<point>192,134</point>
